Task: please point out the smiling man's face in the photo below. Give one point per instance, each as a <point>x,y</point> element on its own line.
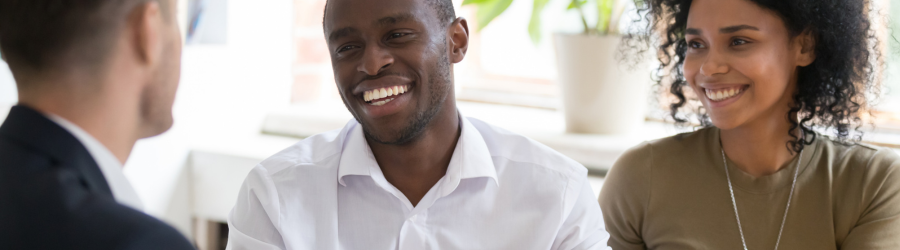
<point>391,64</point>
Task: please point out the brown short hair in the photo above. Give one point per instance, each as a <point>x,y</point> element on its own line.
<point>37,35</point>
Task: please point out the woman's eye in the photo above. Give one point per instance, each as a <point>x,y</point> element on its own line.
<point>695,45</point>
<point>737,42</point>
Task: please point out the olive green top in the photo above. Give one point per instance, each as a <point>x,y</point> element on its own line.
<point>672,193</point>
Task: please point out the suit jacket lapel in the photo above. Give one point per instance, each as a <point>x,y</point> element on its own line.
<point>29,127</point>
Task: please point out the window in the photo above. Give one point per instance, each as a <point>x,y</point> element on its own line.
<point>502,65</point>
<point>888,112</point>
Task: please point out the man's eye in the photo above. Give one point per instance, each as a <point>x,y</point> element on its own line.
<point>345,48</point>
<point>738,41</point>
<point>397,35</point>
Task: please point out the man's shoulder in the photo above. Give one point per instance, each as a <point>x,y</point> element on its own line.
<point>93,223</point>
<point>47,206</point>
<point>107,224</point>
<point>14,157</point>
<point>512,147</point>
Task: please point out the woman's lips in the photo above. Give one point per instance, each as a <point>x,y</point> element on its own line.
<point>723,94</point>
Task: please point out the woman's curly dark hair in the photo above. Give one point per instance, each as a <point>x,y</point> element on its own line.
<point>831,92</point>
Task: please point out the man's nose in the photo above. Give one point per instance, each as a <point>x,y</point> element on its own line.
<point>375,59</point>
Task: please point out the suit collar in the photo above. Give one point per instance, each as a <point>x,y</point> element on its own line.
<point>29,127</point>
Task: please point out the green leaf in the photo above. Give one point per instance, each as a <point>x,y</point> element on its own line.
<point>604,14</point>
<point>488,10</point>
<point>576,4</point>
<point>534,25</point>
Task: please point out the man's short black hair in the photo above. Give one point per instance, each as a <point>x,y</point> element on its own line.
<point>37,35</point>
<point>443,9</point>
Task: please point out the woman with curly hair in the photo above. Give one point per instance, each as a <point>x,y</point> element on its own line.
<point>758,176</point>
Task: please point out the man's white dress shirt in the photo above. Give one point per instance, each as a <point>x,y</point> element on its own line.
<point>109,165</point>
<point>501,191</point>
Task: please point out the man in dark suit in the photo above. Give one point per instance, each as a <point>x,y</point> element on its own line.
<point>93,77</point>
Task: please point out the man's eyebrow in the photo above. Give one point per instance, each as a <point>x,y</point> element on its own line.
<point>389,20</point>
<point>736,28</point>
<point>337,34</point>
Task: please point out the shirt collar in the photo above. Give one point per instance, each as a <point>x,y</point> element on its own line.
<point>471,157</point>
<point>356,157</point>
<point>109,165</point>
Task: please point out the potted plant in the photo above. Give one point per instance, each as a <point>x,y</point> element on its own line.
<point>601,94</point>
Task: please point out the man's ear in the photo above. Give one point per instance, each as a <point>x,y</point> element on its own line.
<point>146,23</point>
<point>458,32</point>
<point>807,42</point>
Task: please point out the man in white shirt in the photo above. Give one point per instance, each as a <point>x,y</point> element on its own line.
<point>93,77</point>
<point>410,172</point>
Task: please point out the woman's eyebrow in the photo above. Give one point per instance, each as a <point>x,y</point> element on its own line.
<point>725,30</point>
<point>692,31</point>
<point>736,28</point>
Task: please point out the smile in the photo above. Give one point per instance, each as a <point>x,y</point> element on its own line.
<point>719,95</point>
<point>378,97</point>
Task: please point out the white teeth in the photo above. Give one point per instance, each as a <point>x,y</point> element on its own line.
<point>376,94</point>
<point>722,94</point>
<point>379,103</point>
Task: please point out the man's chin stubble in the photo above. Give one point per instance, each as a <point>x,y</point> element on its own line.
<point>411,131</point>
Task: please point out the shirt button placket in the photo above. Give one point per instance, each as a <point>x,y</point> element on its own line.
<point>413,233</point>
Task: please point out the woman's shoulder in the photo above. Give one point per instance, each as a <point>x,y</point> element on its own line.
<point>676,150</point>
<point>631,177</point>
<point>703,137</point>
<point>672,147</point>
<point>858,157</point>
<point>866,182</point>
<point>868,173</point>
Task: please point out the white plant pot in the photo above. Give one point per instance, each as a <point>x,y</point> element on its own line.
<point>601,95</point>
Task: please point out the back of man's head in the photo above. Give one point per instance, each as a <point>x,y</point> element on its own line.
<point>109,66</point>
<point>38,36</point>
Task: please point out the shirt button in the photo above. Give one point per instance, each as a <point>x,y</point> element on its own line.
<point>413,218</point>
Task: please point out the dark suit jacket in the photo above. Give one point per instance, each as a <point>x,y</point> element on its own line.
<point>53,195</point>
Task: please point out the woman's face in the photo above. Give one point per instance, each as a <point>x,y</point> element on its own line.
<point>742,61</point>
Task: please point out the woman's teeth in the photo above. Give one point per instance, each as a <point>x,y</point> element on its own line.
<point>379,103</point>
<point>382,93</point>
<point>723,94</point>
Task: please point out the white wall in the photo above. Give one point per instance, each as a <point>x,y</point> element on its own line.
<point>8,96</point>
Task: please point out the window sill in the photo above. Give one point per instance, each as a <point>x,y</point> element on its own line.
<point>596,152</point>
